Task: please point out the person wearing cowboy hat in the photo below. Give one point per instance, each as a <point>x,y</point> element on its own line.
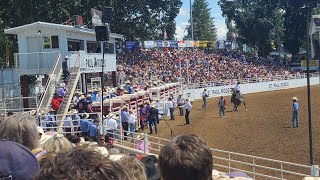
<point>65,69</point>
<point>110,126</point>
<point>84,125</point>
<point>124,121</point>
<point>204,99</point>
<point>128,87</point>
<point>153,118</point>
<point>62,90</point>
<point>75,99</point>
<point>188,108</point>
<point>132,124</point>
<point>295,112</point>
<point>140,143</point>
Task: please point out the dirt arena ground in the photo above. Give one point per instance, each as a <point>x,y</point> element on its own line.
<point>265,130</point>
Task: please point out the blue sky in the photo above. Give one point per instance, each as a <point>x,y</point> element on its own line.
<point>184,15</point>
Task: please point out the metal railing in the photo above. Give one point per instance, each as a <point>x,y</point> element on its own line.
<point>35,63</point>
<point>10,90</point>
<point>16,104</point>
<point>50,86</point>
<point>220,82</point>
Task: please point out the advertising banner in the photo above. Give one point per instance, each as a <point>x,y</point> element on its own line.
<point>173,44</point>
<point>131,45</point>
<point>159,44</point>
<point>182,44</point>
<point>314,65</point>
<point>149,44</point>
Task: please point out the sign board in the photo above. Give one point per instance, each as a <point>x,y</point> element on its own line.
<point>149,44</point>
<point>314,64</point>
<point>131,45</point>
<point>92,62</point>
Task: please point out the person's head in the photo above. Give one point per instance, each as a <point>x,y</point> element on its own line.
<point>133,165</point>
<point>102,141</point>
<point>185,157</point>
<point>57,143</point>
<point>238,82</point>
<point>17,161</point>
<point>130,111</point>
<point>141,106</point>
<point>82,162</point>
<point>96,122</point>
<point>187,99</point>
<point>221,97</point>
<point>294,99</point>
<point>75,140</point>
<point>20,128</point>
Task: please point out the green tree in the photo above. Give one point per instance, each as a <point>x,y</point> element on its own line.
<point>203,23</point>
<point>258,23</point>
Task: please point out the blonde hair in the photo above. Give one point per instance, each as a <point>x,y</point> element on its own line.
<point>134,166</point>
<point>57,143</point>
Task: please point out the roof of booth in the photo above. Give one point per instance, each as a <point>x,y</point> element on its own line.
<point>19,29</point>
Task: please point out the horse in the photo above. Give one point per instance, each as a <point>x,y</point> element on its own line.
<point>237,100</point>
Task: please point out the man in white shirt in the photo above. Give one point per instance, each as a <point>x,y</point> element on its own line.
<point>204,99</point>
<point>171,108</point>
<point>75,99</point>
<point>109,127</point>
<point>188,108</point>
<point>237,90</point>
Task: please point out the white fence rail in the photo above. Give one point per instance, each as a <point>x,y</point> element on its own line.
<point>219,82</point>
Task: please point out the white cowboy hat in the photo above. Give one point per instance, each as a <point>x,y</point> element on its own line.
<point>62,84</point>
<point>44,137</point>
<point>74,111</point>
<point>85,115</point>
<point>127,82</point>
<point>76,92</point>
<point>89,95</point>
<point>32,112</point>
<point>66,57</point>
<point>295,98</point>
<point>140,136</point>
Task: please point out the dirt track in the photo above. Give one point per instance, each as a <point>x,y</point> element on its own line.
<point>265,130</point>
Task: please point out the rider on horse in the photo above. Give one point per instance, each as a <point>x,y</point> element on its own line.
<point>237,90</point>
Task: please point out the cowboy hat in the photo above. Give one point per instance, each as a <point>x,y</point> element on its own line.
<point>81,97</point>
<point>76,92</point>
<point>85,115</point>
<point>74,111</point>
<point>62,84</point>
<point>147,102</point>
<point>131,110</point>
<point>44,137</point>
<point>124,107</point>
<point>127,82</point>
<point>89,95</point>
<point>33,112</point>
<point>295,98</point>
<point>140,136</point>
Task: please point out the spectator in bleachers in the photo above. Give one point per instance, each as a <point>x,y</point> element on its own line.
<point>57,143</point>
<point>88,104</point>
<point>186,157</point>
<point>81,163</point>
<point>133,165</point>
<point>75,99</point>
<point>81,106</point>
<point>22,129</point>
<point>62,90</point>
<point>132,124</point>
<point>128,87</point>
<point>16,161</point>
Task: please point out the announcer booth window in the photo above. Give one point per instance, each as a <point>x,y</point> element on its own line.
<point>50,42</point>
<point>93,47</point>
<point>109,48</point>
<point>75,45</point>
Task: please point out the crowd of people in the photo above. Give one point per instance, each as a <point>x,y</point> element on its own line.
<point>199,66</point>
<point>29,153</point>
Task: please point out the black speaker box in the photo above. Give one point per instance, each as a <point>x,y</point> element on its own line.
<point>102,33</point>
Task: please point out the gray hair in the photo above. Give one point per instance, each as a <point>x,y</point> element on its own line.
<point>20,128</point>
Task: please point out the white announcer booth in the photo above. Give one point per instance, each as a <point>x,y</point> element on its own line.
<point>38,42</point>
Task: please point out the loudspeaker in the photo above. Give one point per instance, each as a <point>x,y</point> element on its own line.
<point>102,33</point>
<point>107,13</point>
<point>209,45</point>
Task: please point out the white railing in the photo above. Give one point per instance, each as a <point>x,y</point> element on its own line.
<point>35,63</point>
<point>50,86</point>
<point>10,90</point>
<point>219,82</point>
<point>16,104</point>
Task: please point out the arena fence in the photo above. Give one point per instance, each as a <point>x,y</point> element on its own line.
<point>16,104</point>
<point>219,82</point>
<point>223,161</point>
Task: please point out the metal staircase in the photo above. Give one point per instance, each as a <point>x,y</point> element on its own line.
<point>50,88</point>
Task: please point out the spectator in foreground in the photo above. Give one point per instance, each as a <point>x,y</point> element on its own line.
<point>91,165</point>
<point>16,161</point>
<point>133,165</point>
<point>57,143</point>
<point>185,157</point>
<point>20,128</point>
<point>140,143</point>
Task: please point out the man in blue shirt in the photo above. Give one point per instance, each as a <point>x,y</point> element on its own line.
<point>129,88</point>
<point>85,123</point>
<point>94,130</point>
<point>295,112</point>
<point>124,121</point>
